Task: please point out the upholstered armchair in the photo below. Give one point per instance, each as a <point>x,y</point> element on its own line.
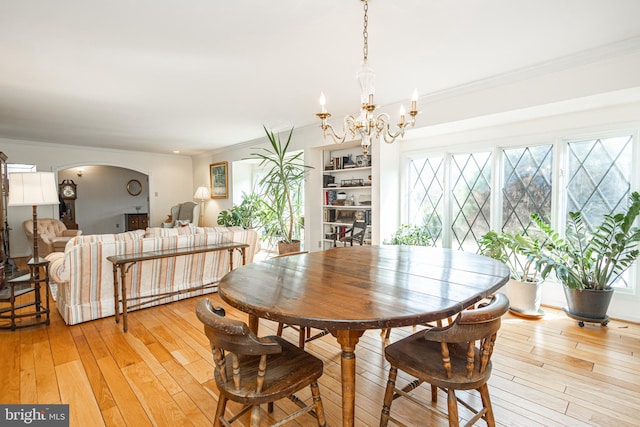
<point>52,235</point>
<point>182,214</point>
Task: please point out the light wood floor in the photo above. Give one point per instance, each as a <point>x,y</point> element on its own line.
<point>546,372</point>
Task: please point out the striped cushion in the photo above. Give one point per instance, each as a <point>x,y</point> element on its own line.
<point>176,231</point>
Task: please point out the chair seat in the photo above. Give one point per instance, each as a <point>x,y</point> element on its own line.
<point>422,359</point>
<point>287,372</point>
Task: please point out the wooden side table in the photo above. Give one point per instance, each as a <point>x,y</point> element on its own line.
<point>29,283</point>
<point>136,221</point>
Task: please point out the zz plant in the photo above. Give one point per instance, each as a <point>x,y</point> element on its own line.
<point>590,260</point>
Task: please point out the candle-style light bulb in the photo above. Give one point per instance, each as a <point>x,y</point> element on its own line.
<point>323,102</point>
<point>414,100</point>
<point>402,113</point>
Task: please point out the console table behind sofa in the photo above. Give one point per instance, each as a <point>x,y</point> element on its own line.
<point>84,275</point>
<point>122,264</point>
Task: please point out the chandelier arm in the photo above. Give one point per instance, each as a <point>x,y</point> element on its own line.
<point>329,130</point>
<point>348,129</point>
<point>383,127</point>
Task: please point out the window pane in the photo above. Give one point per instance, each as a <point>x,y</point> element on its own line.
<point>526,187</point>
<point>471,199</point>
<point>426,189</point>
<point>598,177</point>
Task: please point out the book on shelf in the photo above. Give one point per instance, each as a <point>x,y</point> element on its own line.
<point>329,196</point>
<point>329,215</point>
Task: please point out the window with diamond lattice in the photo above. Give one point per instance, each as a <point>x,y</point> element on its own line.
<point>598,181</point>
<point>426,190</point>
<point>599,174</point>
<point>470,199</point>
<point>526,187</point>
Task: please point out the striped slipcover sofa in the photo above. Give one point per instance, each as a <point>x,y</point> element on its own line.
<point>84,277</point>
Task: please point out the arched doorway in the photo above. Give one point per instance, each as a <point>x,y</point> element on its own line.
<point>105,194</point>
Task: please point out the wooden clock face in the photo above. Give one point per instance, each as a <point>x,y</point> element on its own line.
<point>68,190</point>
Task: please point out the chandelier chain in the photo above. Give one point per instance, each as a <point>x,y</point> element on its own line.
<point>365,34</point>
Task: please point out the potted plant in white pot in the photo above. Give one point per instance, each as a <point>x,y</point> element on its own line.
<point>281,213</point>
<point>588,263</point>
<point>518,252</point>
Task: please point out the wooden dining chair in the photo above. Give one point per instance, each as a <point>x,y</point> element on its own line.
<point>355,233</point>
<point>304,334</point>
<point>253,371</point>
<point>448,358</point>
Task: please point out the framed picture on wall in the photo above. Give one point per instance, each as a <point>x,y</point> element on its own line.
<point>219,180</point>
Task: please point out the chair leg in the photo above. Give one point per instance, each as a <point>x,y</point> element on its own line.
<point>434,394</point>
<point>317,401</point>
<point>388,396</point>
<point>301,337</point>
<point>222,405</point>
<point>452,406</point>
<point>486,402</point>
<point>280,328</point>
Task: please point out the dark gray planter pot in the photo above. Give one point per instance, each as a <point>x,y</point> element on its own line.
<point>588,303</point>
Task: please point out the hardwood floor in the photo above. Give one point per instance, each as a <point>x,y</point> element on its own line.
<point>546,372</point>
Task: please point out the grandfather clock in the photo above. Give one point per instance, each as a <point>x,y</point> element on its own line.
<point>69,194</point>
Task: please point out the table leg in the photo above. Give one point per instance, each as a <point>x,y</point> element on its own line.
<point>35,279</point>
<point>348,340</point>
<point>115,293</point>
<point>231,259</point>
<point>123,284</point>
<point>253,323</point>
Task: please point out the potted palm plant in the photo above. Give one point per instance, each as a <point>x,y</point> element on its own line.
<point>588,263</point>
<point>519,253</point>
<point>281,192</point>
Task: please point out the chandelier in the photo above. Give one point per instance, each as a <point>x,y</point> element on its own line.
<point>367,126</point>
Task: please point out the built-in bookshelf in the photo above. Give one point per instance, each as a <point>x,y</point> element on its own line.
<point>346,192</point>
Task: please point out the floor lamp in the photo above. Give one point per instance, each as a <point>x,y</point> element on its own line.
<point>202,194</point>
<point>33,189</point>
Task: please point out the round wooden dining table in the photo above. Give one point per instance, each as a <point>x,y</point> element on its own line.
<point>349,290</point>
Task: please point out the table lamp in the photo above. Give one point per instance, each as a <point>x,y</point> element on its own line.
<point>202,194</point>
<point>33,189</point>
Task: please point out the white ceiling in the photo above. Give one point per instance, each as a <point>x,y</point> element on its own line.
<point>196,75</point>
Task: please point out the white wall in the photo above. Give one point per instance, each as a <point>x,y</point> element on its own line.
<point>171,178</point>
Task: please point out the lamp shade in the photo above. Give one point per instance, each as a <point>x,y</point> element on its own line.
<point>202,193</point>
<point>32,189</point>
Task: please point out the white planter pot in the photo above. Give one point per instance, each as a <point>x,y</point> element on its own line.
<point>524,298</point>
